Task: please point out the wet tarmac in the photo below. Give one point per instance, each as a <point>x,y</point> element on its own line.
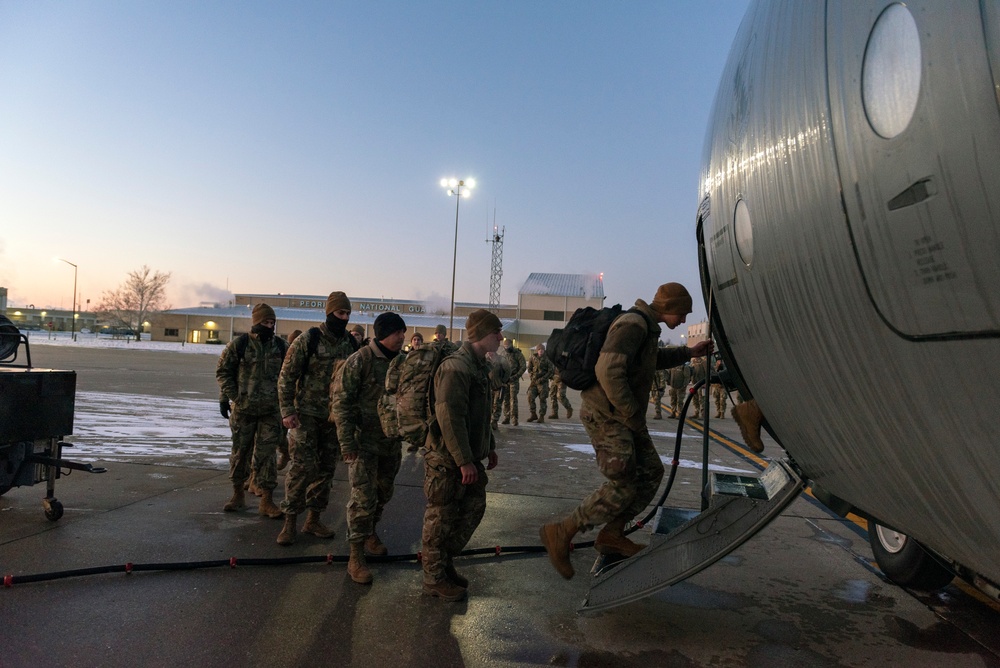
<point>803,592</point>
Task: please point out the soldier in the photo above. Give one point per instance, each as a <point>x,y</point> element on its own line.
<point>540,370</point>
<point>416,341</point>
<point>459,440</point>
<point>699,372</point>
<point>283,456</point>
<point>248,377</point>
<point>358,332</point>
<point>373,458</point>
<point>656,393</point>
<point>614,414</point>
<point>441,335</point>
<point>518,366</point>
<point>557,395</point>
<point>677,379</point>
<point>719,392</point>
<point>304,395</point>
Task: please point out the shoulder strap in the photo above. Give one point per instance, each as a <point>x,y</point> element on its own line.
<point>242,341</point>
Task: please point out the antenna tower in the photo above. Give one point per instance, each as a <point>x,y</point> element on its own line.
<point>496,266</point>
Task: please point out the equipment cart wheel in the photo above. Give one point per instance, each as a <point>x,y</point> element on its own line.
<point>53,509</point>
<point>905,561</point>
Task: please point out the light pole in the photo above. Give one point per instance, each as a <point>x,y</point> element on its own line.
<point>459,189</point>
<point>72,324</point>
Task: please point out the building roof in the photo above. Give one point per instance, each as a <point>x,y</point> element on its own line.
<point>590,286</point>
<point>318,315</point>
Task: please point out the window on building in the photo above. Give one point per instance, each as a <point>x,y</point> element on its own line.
<point>171,332</point>
<point>213,335</point>
<point>553,315</point>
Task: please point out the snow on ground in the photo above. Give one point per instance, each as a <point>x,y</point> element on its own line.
<point>91,340</point>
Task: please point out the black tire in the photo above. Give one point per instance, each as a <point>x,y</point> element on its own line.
<point>905,561</point>
<point>54,511</point>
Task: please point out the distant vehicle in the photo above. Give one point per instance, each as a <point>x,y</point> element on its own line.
<point>849,229</point>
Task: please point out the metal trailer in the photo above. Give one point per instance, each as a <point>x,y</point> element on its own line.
<point>36,412</point>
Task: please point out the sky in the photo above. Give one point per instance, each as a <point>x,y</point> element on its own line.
<point>297,148</point>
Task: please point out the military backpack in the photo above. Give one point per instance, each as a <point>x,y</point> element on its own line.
<point>414,391</point>
<point>574,349</point>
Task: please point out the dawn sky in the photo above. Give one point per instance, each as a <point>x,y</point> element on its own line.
<point>298,147</point>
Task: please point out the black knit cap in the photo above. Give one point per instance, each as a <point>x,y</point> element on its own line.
<point>387,324</point>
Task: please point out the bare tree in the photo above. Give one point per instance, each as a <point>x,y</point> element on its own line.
<point>142,294</point>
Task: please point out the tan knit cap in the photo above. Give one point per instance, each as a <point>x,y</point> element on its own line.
<point>442,330</point>
<point>337,301</point>
<point>672,299</point>
<point>359,329</point>
<point>481,323</point>
<point>260,313</point>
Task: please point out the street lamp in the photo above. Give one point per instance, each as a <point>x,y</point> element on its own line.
<point>459,189</point>
<point>72,322</point>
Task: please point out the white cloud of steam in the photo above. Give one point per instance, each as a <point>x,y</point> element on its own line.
<point>194,293</point>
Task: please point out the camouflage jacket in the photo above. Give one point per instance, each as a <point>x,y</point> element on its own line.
<point>679,376</point>
<point>517,360</point>
<point>625,368</point>
<point>540,369</point>
<point>660,380</point>
<point>698,370</point>
<point>306,389</point>
<point>354,397</point>
<point>462,405</point>
<point>251,383</point>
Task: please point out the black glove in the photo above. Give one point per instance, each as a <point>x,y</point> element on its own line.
<point>224,408</point>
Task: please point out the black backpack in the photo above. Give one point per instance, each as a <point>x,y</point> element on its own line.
<point>574,348</point>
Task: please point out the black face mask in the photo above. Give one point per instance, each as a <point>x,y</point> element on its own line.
<point>263,333</point>
<point>336,326</point>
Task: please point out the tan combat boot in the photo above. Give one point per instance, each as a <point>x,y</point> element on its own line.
<point>749,418</point>
<point>314,526</point>
<point>267,506</point>
<point>533,417</point>
<point>375,546</point>
<point>446,590</point>
<point>569,412</point>
<point>455,576</point>
<point>557,539</point>
<point>288,532</point>
<point>357,567</point>
<point>506,420</point>
<point>554,415</point>
<point>612,539</point>
<point>238,502</point>
<point>541,416</point>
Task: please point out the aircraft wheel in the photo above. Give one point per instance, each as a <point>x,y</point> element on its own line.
<point>905,561</point>
<point>53,509</point>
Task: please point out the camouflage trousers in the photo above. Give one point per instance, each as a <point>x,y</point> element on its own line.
<point>557,395</point>
<point>656,396</point>
<point>255,441</point>
<point>510,398</point>
<point>721,399</point>
<point>676,401</point>
<point>540,391</point>
<point>499,402</point>
<point>631,465</point>
<point>453,512</point>
<point>373,477</point>
<point>314,450</point>
<point>696,400</point>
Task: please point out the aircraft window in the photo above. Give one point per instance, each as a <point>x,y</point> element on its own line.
<point>744,232</point>
<point>890,77</point>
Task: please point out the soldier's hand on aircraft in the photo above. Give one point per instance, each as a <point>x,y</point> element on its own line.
<point>291,422</point>
<point>224,408</point>
<point>469,474</point>
<point>702,348</point>
<point>491,460</point>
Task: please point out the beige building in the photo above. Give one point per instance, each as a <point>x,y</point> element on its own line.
<point>545,301</point>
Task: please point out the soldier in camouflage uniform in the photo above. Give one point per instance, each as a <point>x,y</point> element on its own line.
<point>373,457</point>
<point>557,395</point>
<point>677,379</point>
<point>699,372</point>
<point>614,414</point>
<point>441,336</point>
<point>248,377</point>
<point>304,395</point>
<point>459,440</point>
<point>540,370</point>
<point>518,365</point>
<point>719,393</point>
<point>656,392</point>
